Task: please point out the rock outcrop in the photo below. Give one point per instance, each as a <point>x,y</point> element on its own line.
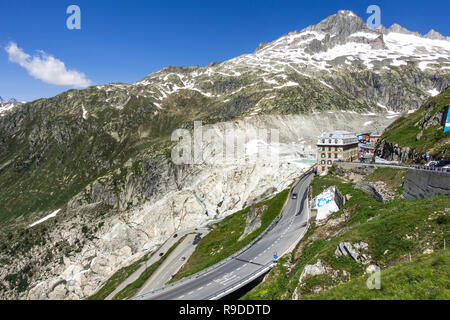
<point>253,221</point>
<point>368,189</point>
<point>356,251</point>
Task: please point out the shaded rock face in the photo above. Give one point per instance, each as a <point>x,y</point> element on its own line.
<point>393,152</point>
<point>368,189</point>
<point>340,27</point>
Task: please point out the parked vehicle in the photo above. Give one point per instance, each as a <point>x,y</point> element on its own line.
<point>294,196</point>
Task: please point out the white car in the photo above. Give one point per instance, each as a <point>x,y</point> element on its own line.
<point>431,164</point>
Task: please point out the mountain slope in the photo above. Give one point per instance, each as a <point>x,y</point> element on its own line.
<point>411,137</point>
<point>425,278</point>
<point>339,253</point>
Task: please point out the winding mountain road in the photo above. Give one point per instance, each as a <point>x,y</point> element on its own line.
<point>243,268</point>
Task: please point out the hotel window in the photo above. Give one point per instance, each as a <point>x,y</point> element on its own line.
<point>335,155</point>
<point>336,149</point>
<point>323,155</point>
<point>330,162</point>
<point>329,148</point>
<point>323,148</point>
<point>323,168</point>
<point>322,162</point>
<point>329,155</point>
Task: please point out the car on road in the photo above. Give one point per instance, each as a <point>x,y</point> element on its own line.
<point>161,254</point>
<point>197,239</point>
<point>175,235</point>
<point>183,258</point>
<point>443,163</point>
<point>431,164</point>
<point>294,196</point>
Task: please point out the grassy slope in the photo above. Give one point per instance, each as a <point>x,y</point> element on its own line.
<point>402,227</point>
<point>222,242</point>
<point>426,277</point>
<point>116,279</point>
<point>405,130</point>
<point>393,178</point>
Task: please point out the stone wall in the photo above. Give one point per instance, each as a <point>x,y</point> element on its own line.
<point>420,184</point>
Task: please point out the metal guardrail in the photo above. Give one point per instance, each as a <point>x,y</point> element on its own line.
<point>422,168</point>
<point>224,261</point>
<point>249,278</point>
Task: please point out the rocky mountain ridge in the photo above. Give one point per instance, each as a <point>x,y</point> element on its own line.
<point>410,138</point>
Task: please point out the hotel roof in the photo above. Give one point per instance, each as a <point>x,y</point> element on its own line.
<point>337,137</point>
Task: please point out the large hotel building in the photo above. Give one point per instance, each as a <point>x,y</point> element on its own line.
<point>333,146</point>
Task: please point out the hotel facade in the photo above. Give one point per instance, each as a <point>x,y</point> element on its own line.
<point>333,146</point>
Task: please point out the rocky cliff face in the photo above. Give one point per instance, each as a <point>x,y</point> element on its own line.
<point>102,155</point>
<point>394,152</point>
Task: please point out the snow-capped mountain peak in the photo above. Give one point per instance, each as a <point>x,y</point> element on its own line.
<point>340,45</point>
<point>6,105</point>
<point>434,35</point>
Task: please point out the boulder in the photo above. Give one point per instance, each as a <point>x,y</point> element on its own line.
<point>355,251</point>
<point>368,189</point>
<point>312,270</point>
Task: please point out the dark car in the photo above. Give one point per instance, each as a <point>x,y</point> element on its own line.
<point>161,254</point>
<point>175,235</point>
<point>294,196</point>
<point>197,239</point>
<point>431,164</point>
<point>442,163</point>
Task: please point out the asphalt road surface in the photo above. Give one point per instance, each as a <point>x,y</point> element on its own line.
<point>253,262</point>
<point>171,264</point>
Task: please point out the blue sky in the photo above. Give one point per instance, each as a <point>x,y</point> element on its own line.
<point>123,41</point>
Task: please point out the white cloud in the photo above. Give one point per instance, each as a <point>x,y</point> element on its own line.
<point>47,68</point>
